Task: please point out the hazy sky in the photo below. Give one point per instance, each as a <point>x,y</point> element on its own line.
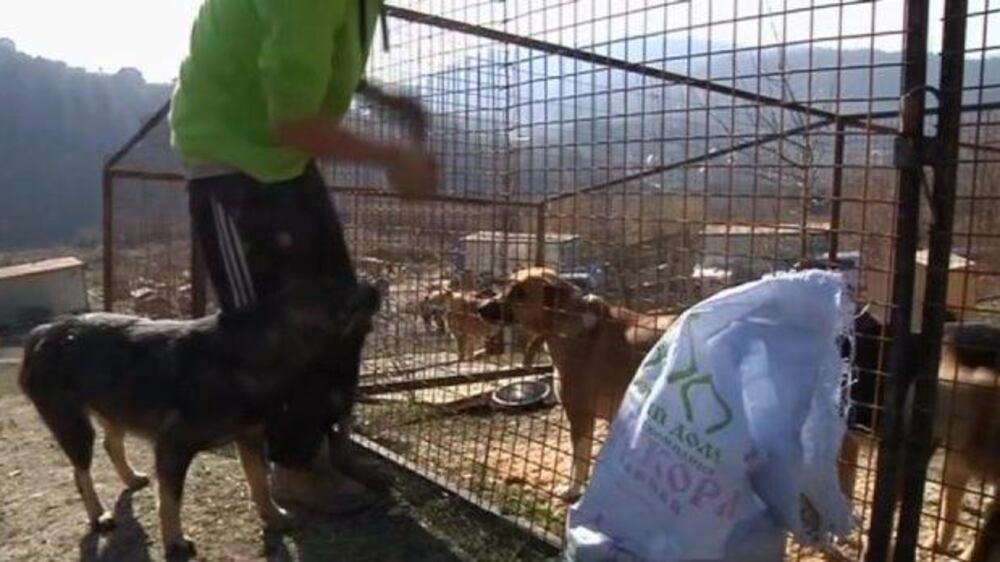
<point>152,35</point>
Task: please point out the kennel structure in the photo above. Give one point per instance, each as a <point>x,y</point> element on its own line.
<point>671,148</point>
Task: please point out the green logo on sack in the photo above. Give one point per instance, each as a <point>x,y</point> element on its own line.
<point>690,378</point>
<point>688,434</point>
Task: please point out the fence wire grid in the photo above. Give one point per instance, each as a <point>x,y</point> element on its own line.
<point>654,152</point>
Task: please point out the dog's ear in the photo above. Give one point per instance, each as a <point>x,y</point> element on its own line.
<point>595,309</point>
<point>558,295</point>
<point>367,299</point>
<point>363,306</point>
<point>515,292</point>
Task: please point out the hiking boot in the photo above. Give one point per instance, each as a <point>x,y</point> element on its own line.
<point>325,491</point>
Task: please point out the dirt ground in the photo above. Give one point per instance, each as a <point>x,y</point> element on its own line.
<point>10,361</point>
<point>514,461</point>
<point>41,517</point>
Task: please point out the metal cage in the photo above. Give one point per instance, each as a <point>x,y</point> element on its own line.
<point>653,152</point>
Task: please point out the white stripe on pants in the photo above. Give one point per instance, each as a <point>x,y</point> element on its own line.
<point>233,257</point>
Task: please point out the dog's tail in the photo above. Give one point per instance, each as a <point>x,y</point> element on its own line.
<point>25,378</point>
<point>54,395</point>
<point>46,371</point>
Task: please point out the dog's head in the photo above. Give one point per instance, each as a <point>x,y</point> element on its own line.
<point>539,301</point>
<point>432,306</point>
<point>436,300</point>
<point>331,308</point>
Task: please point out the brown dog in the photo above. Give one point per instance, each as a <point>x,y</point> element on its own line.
<point>457,312</point>
<point>966,420</point>
<point>432,310</point>
<point>596,349</point>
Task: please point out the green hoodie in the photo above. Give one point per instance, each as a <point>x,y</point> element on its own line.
<point>255,63</point>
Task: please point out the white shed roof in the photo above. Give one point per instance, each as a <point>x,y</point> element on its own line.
<point>517,237</point>
<point>956,261</point>
<point>39,267</point>
<point>783,229</point>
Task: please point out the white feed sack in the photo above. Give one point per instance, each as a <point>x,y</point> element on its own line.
<point>728,437</point>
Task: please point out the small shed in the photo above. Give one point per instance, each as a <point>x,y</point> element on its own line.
<point>711,279</point>
<point>750,250</point>
<point>500,253</point>
<point>847,264</point>
<point>31,291</point>
<point>962,290</point>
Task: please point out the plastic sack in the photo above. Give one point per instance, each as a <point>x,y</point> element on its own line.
<point>728,436</point>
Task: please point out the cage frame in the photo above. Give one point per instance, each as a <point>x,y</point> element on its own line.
<point>906,370</point>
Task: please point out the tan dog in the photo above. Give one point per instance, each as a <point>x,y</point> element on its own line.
<point>596,349</point>
<point>457,312</point>
<point>432,309</point>
<point>966,420</point>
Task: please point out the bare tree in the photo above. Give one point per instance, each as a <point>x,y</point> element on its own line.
<point>792,165</point>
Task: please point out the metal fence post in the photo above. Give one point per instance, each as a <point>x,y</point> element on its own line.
<point>540,236</point>
<point>918,444</point>
<point>837,192</point>
<point>107,238</point>
<point>902,362</point>
<point>198,277</point>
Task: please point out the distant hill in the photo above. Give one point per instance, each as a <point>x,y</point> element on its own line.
<point>556,126</point>
<point>58,125</point>
<point>576,124</point>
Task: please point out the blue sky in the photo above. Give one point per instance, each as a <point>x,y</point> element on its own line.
<point>152,35</point>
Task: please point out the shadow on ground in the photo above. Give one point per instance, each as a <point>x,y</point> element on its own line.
<point>42,518</point>
<point>128,541</point>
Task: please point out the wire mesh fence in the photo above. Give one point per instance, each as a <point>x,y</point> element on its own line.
<point>152,243</point>
<point>607,165</point>
<point>953,396</point>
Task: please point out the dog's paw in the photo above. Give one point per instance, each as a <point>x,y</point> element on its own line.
<point>568,492</point>
<point>939,546</point>
<point>180,549</point>
<point>104,523</point>
<point>951,548</point>
<point>137,482</point>
<point>854,540</point>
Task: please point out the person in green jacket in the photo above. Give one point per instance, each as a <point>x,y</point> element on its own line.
<point>258,100</point>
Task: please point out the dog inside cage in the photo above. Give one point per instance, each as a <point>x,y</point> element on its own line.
<point>600,171</point>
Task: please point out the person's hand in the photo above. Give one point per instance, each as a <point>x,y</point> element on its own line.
<point>413,173</point>
<point>411,170</point>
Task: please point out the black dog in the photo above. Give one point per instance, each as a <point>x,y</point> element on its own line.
<point>186,385</point>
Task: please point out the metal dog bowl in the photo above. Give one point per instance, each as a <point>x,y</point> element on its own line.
<point>522,394</point>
